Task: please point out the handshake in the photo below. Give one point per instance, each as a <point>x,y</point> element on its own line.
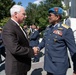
<point>36,50</point>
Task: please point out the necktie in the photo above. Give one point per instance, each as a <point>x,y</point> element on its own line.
<point>23,31</point>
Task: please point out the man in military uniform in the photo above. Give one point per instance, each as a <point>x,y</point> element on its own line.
<point>57,37</point>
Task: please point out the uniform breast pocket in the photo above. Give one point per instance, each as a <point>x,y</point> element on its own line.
<point>57,38</point>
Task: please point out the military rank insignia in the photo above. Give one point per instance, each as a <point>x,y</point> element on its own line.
<point>60,28</point>
<point>65,26</point>
<point>58,32</point>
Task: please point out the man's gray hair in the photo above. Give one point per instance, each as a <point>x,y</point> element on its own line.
<point>15,8</point>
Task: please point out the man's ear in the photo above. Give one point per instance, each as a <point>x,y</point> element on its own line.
<point>57,17</point>
<point>15,13</point>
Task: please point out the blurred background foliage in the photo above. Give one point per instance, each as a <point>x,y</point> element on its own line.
<point>36,13</point>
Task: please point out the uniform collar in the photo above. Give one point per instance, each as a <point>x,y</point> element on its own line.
<point>58,25</point>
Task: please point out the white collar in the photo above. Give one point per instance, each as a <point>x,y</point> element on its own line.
<point>15,21</point>
<point>58,24</point>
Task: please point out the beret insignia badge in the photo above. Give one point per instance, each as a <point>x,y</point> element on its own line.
<point>56,9</point>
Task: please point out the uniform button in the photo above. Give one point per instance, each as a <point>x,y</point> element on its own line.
<point>46,49</point>
<point>47,44</point>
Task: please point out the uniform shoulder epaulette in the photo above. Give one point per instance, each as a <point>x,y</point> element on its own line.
<point>65,26</point>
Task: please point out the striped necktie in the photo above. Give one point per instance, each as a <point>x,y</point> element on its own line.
<point>23,32</point>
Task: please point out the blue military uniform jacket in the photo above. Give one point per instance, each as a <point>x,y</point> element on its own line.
<point>34,38</point>
<point>56,39</point>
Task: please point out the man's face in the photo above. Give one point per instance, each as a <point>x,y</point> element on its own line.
<point>21,16</point>
<point>33,27</point>
<point>52,18</point>
<point>25,26</point>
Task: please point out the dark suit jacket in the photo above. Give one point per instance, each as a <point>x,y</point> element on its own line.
<point>18,52</point>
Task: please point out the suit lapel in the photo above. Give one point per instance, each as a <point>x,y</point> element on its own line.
<point>19,29</point>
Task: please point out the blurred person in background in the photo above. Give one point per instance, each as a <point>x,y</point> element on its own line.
<point>34,40</point>
<point>2,48</point>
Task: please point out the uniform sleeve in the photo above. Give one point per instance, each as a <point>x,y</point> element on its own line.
<point>34,35</point>
<point>70,42</point>
<point>42,44</point>
<point>74,62</point>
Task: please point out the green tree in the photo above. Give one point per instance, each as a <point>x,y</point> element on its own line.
<point>39,13</point>
<point>31,13</point>
<point>3,21</point>
<point>4,8</point>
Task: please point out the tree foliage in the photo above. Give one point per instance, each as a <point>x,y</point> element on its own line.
<point>5,6</point>
<point>36,13</point>
<point>3,21</point>
<point>39,13</point>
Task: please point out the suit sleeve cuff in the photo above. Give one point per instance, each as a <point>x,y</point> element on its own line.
<point>31,52</point>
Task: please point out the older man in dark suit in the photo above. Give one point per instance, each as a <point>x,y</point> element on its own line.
<point>18,51</point>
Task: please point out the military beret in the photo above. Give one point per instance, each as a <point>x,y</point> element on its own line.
<point>56,10</point>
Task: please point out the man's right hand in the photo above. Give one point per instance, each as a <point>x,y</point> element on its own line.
<point>74,73</point>
<point>36,50</point>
